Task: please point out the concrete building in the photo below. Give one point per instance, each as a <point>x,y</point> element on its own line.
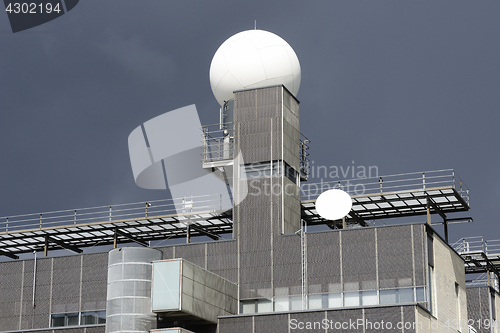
<point>272,275</point>
<point>283,268</point>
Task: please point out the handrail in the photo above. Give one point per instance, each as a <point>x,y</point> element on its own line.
<point>390,183</point>
<point>477,244</point>
<point>140,210</point>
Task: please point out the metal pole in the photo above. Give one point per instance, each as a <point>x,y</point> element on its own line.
<point>34,281</point>
<point>303,264</point>
<point>188,235</point>
<point>380,180</point>
<point>46,247</point>
<point>40,220</point>
<point>75,216</point>
<point>423,180</point>
<point>7,226</point>
<point>428,212</point>
<point>110,212</point>
<point>445,230</point>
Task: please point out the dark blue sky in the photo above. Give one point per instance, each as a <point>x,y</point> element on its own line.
<point>406,86</point>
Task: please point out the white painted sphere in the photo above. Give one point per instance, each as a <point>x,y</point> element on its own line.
<point>333,204</point>
<point>253,59</point>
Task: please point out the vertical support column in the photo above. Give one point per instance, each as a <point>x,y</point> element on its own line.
<point>46,247</point>
<point>445,221</point>
<point>428,212</point>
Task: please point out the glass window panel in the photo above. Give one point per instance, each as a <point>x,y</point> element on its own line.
<point>296,302</point>
<point>351,299</point>
<point>166,285</point>
<point>247,306</point>
<point>264,305</point>
<point>406,295</point>
<point>315,301</point>
<point>420,291</point>
<point>57,320</point>
<point>281,304</point>
<point>388,296</point>
<point>369,297</point>
<point>101,317</point>
<point>72,319</point>
<point>88,318</point>
<point>334,300</point>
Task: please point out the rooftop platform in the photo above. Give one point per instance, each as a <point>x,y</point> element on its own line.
<point>480,256</point>
<point>435,192</point>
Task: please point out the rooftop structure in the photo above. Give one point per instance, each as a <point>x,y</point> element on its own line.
<point>270,273</point>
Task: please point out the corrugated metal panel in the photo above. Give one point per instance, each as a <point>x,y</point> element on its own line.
<point>344,316</point>
<point>419,254</point>
<point>323,259</point>
<point>194,253</point>
<point>395,261</point>
<point>409,318</point>
<point>381,320</point>
<point>94,282</point>
<point>358,257</point>
<point>271,323</point>
<point>233,325</point>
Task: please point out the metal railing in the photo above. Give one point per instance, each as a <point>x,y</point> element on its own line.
<point>391,183</point>
<point>482,281</point>
<point>477,244</point>
<point>304,152</point>
<point>139,210</point>
<point>218,142</point>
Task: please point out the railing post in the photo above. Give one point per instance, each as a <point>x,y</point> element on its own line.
<point>7,225</point>
<point>423,180</point>
<point>40,220</point>
<point>205,142</point>
<point>220,153</point>
<point>110,210</point>
<point>380,180</point>
<point>75,217</point>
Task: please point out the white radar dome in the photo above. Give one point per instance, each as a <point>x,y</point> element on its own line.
<point>333,204</point>
<point>253,59</point>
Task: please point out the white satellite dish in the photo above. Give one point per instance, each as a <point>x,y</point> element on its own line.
<point>333,204</point>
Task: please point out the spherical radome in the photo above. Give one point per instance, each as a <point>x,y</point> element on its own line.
<point>333,204</point>
<point>253,59</point>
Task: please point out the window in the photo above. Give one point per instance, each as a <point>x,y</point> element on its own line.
<point>247,306</point>
<point>281,304</point>
<point>64,319</point>
<point>370,297</point>
<point>315,301</point>
<point>335,300</point>
<point>351,299</point>
<point>420,292</point>
<point>388,296</point>
<point>93,318</point>
<point>264,305</point>
<point>76,319</point>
